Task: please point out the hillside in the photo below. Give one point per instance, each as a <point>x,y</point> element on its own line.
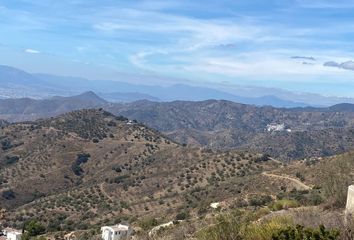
<point>286,134</point>
<point>90,159</point>
<point>127,97</point>
<point>89,168</point>
<point>297,133</point>
<point>344,107</point>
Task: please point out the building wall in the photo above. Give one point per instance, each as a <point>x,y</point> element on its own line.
<point>109,234</point>
<point>13,236</point>
<point>350,201</point>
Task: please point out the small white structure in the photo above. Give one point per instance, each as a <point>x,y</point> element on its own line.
<point>215,205</point>
<point>273,127</point>
<point>349,209</point>
<point>116,232</point>
<point>12,234</point>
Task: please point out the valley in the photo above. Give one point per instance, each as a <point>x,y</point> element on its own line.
<point>176,120</point>
<point>284,133</point>
<point>89,168</point>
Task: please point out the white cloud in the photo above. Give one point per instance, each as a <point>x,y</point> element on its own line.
<point>145,36</point>
<point>32,51</point>
<point>187,30</point>
<point>326,4</point>
<point>257,65</point>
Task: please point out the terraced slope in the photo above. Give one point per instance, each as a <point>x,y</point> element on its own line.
<point>87,167</point>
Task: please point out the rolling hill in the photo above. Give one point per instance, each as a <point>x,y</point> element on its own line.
<point>303,132</point>
<point>283,133</point>
<point>87,168</point>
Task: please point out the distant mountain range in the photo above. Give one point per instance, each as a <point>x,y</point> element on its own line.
<point>24,109</point>
<point>283,133</point>
<point>16,83</point>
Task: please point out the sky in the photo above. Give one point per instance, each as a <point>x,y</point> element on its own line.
<point>300,45</point>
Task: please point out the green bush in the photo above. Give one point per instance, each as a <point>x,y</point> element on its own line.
<point>33,228</point>
<point>81,159</point>
<point>300,232</point>
<point>148,223</point>
<point>260,200</point>
<point>283,204</point>
<point>243,225</point>
<point>182,216</point>
<point>8,194</point>
<point>11,159</point>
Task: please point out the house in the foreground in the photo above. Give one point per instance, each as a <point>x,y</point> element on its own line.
<point>116,232</point>
<point>12,234</point>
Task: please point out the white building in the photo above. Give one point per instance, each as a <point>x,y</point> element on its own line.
<point>273,127</point>
<point>116,232</point>
<point>12,234</point>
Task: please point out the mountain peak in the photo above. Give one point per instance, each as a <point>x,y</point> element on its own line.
<point>342,107</point>
<point>90,96</point>
<point>87,123</point>
<point>15,75</point>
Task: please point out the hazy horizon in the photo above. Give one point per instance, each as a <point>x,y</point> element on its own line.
<point>295,45</point>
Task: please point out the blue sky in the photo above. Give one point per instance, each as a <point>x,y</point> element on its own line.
<point>301,45</point>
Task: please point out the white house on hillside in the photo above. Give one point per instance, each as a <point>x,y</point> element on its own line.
<point>12,234</point>
<point>116,232</point>
<point>274,127</point>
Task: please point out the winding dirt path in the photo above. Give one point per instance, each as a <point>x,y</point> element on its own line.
<point>104,191</point>
<point>296,182</point>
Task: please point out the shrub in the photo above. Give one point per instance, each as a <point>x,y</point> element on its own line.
<point>260,200</point>
<point>6,144</point>
<point>284,204</point>
<point>148,223</point>
<point>81,158</point>
<point>33,228</point>
<point>300,232</point>
<point>263,158</point>
<point>242,225</point>
<point>226,228</point>
<point>111,124</point>
<point>182,216</point>
<point>300,176</point>
<point>121,118</point>
<point>11,160</point>
<point>8,194</point>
